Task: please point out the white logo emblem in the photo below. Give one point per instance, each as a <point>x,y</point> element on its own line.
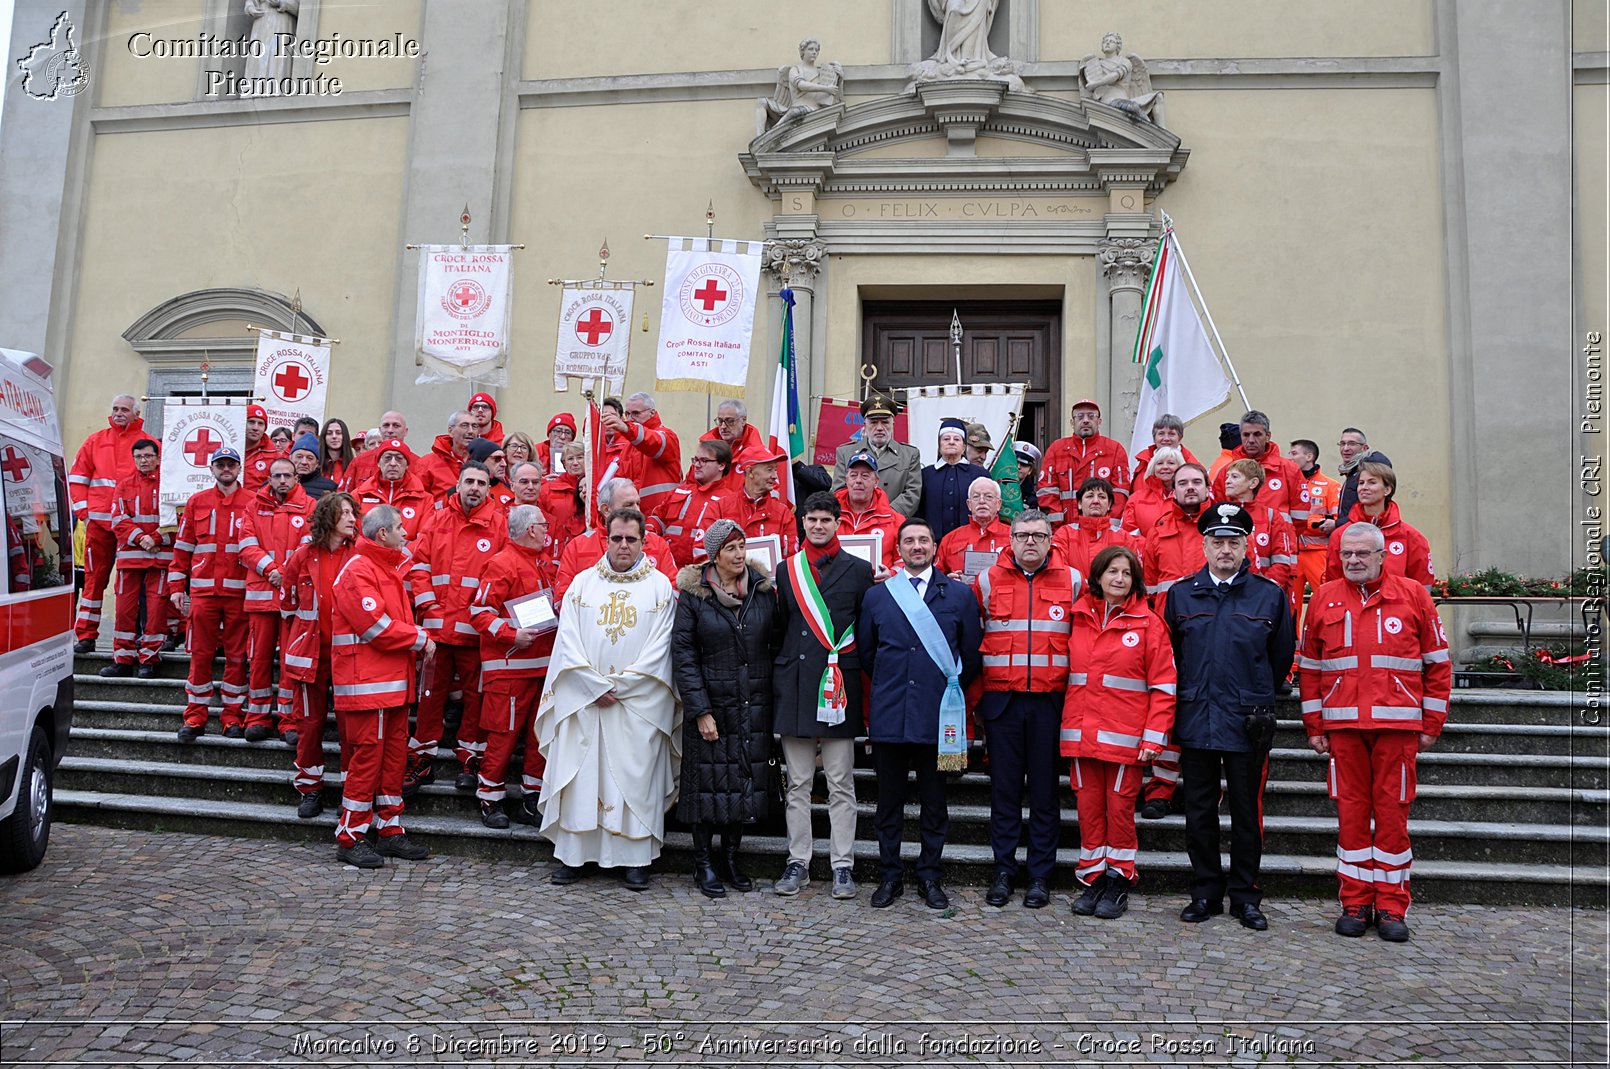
<point>54,68</point>
<point>296,521</point>
<point>1263,540</point>
<point>1104,472</point>
<point>1275,484</point>
<point>369,604</point>
<point>1132,638</point>
<point>1393,625</point>
<point>1395,548</point>
<point>484,545</point>
<point>408,511</point>
<point>1056,612</point>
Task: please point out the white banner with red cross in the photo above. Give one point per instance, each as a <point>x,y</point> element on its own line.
<point>30,487</point>
<point>595,331</point>
<point>708,315</point>
<point>192,433</point>
<point>461,327</point>
<point>292,376</point>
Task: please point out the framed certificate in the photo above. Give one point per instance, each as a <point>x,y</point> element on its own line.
<point>977,563</point>
<point>533,610</point>
<point>869,547</point>
<point>765,553</point>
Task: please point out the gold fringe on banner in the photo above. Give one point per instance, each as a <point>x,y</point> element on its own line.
<point>700,386</point>
<point>952,762</point>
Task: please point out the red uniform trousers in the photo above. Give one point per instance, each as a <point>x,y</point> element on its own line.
<point>1165,778</point>
<point>379,741</point>
<point>1105,793</point>
<point>100,554</point>
<point>310,707</point>
<point>267,635</point>
<point>213,619</point>
<point>137,586</point>
<point>1310,573</point>
<point>508,707</point>
<point>464,663</point>
<point>1372,777</point>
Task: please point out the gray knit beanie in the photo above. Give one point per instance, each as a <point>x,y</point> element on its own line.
<point>717,535</point>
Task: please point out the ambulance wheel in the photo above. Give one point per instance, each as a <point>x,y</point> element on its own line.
<point>25,834</point>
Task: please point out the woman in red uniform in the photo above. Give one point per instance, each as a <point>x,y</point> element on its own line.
<point>1408,553</point>
<point>1116,717</point>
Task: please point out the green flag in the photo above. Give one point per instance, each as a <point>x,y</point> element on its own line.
<point>1004,472</point>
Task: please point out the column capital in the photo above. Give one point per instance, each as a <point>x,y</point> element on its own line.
<point>1127,262</point>
<point>794,261</point>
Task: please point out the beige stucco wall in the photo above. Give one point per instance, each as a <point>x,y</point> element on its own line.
<point>232,217</point>
<point>365,19</point>
<point>1590,26</point>
<point>1240,28</point>
<point>1592,221</point>
<point>121,77</point>
<point>645,36</point>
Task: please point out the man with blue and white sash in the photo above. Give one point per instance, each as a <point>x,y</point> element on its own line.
<point>919,638</point>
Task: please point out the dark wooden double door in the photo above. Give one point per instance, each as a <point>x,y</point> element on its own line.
<point>1002,341</point>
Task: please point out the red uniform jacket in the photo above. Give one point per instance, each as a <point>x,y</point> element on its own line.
<point>515,572</point>
<point>269,533</point>
<point>1283,488</point>
<point>1148,501</point>
<point>652,459</point>
<point>407,495</point>
<point>439,471</point>
<point>103,461</point>
<point>1027,623</point>
<point>689,510</point>
<point>374,639</point>
<point>586,550</point>
<point>1173,550</point>
<point>1079,540</point>
<point>452,551</point>
<point>1144,457</point>
<point>878,516</point>
<point>993,538</point>
<point>1121,683</point>
<point>1273,546</point>
<point>255,463</point>
<point>308,594</point>
<point>1374,657</point>
<point>366,465</point>
<point>1069,462</point>
<point>1324,500</point>
<point>206,554</point>
<point>1408,553</point>
<point>134,515</point>
<point>769,515</point>
<point>560,503</point>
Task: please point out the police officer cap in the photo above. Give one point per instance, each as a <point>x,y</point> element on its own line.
<point>877,407</point>
<point>1225,519</point>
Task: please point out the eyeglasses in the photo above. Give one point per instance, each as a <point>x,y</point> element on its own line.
<point>728,421</point>
<point>624,540</point>
<point>1346,444</point>
<point>1359,554</point>
<point>1030,536</point>
<point>706,460</point>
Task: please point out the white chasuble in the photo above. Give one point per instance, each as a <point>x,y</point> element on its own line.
<point>613,770</point>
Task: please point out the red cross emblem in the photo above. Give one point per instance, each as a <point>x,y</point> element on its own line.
<point>291,381</point>
<point>200,447</point>
<point>465,299</point>
<point>710,294</point>
<point>594,327</point>
<point>14,464</point>
<point>463,295</point>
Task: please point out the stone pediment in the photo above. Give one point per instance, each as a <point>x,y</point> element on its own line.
<point>1078,146</point>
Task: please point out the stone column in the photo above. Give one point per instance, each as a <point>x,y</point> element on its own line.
<point>795,263</point>
<point>1126,262</point>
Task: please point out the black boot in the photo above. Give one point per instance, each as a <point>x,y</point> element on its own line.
<point>704,874</point>
<point>731,839</point>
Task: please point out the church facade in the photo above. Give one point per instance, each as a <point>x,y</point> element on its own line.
<point>1395,209</point>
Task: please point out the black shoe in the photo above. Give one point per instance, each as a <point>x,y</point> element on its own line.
<point>360,855</point>
<point>887,892</point>
<point>171,643</point>
<point>1085,904</point>
<point>310,807</point>
<point>1391,927</point>
<point>257,733</point>
<point>493,816</point>
<point>704,876</point>
<point>1155,809</point>
<point>1200,909</point>
<point>1355,921</point>
<point>1038,895</point>
<point>400,846</point>
<point>1250,916</point>
<point>291,738</point>
<point>1114,900</point>
<point>234,731</point>
<point>1000,892</point>
<point>526,812</point>
<point>464,783</point>
<point>146,671</point>
<point>735,875</point>
<point>117,671</point>
<point>933,894</point>
<point>635,878</point>
<point>421,771</point>
<point>84,645</point>
<point>189,733</point>
<point>567,874</point>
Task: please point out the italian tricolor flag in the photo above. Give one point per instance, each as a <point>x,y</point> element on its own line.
<point>786,435</point>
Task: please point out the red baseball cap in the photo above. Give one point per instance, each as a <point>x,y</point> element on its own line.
<point>1086,403</point>
<point>762,454</point>
<point>393,445</point>
<point>257,412</point>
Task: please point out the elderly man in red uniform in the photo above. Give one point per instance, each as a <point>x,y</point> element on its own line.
<point>1084,454</point>
<point>455,545</point>
<point>1284,489</point>
<point>550,451</point>
<point>984,533</point>
<point>439,470</point>
<point>207,582</point>
<point>514,663</point>
<point>104,460</point>
<point>277,520</point>
<point>651,455</point>
<point>1375,677</point>
<point>143,553</point>
<point>394,483</point>
<point>393,426</point>
<point>587,549</point>
<point>733,427</point>
<point>373,652</point>
<point>759,510</point>
<point>704,497</point>
<point>865,509</point>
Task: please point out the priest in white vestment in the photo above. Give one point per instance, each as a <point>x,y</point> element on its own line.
<point>610,722</point>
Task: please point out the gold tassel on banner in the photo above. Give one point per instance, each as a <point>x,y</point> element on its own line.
<point>952,762</point>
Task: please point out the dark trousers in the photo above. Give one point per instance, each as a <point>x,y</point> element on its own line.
<point>1244,776</point>
<point>891,761</point>
<point>1023,744</point>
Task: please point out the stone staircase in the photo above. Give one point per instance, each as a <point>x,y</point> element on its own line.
<point>1512,804</point>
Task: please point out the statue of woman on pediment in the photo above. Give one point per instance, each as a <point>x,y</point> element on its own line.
<point>964,51</point>
<point>801,88</point>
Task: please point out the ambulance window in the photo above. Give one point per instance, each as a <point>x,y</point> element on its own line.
<point>39,530</point>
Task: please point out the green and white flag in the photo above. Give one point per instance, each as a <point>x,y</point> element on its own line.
<point>1182,373</point>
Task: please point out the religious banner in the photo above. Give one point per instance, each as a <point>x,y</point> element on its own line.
<point>461,329</point>
<point>839,421</point>
<point>292,375</point>
<point>993,404</point>
<point>708,315</point>
<point>595,331</point>
<point>192,434</point>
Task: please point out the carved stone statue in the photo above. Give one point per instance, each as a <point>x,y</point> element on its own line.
<point>963,51</point>
<point>273,24</point>
<point>1121,81</point>
<point>802,88</point>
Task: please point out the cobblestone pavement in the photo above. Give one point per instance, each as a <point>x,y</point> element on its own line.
<point>139,948</point>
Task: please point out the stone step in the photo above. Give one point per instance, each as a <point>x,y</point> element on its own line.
<point>965,864</point>
<point>1509,770</point>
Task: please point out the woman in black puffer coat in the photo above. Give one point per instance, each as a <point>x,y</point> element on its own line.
<point>721,656</point>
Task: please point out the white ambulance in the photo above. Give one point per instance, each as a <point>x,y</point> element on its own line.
<point>36,608</point>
